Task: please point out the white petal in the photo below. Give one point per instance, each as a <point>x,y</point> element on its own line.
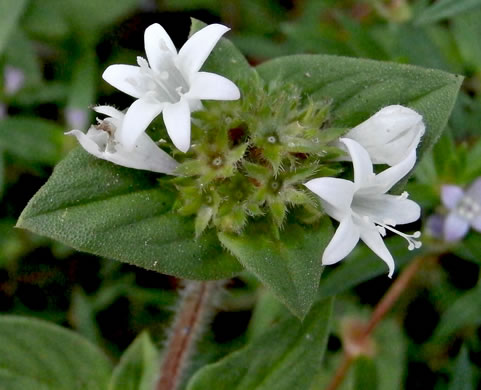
<point>196,50</point>
<point>388,123</point>
<point>451,195</point>
<point>88,143</point>
<point>363,173</point>
<point>145,155</point>
<point>372,238</point>
<point>390,134</point>
<point>126,78</point>
<point>109,111</point>
<point>156,40</point>
<point>342,243</point>
<point>455,227</point>
<point>211,86</point>
<point>177,123</point>
<point>336,195</point>
<point>474,191</point>
<point>385,208</point>
<point>137,119</point>
<point>387,178</point>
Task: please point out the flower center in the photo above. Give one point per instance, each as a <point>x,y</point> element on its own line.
<point>468,208</point>
<point>166,85</point>
<point>368,212</point>
<point>410,238</point>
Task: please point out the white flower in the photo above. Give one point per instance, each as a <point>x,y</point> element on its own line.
<point>390,135</point>
<point>170,83</point>
<point>363,208</point>
<point>102,141</point>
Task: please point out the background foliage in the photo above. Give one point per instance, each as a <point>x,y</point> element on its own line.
<point>431,339</point>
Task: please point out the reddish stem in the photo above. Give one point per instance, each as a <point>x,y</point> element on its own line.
<point>381,309</point>
<point>186,327</point>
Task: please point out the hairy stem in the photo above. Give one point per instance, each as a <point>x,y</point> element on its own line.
<point>191,316</point>
<point>381,309</point>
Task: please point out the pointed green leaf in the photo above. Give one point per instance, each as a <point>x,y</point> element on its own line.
<point>285,357</point>
<point>365,374</point>
<point>463,377</point>
<point>443,9</point>
<point>361,87</point>
<point>466,31</point>
<point>123,214</point>
<point>39,355</point>
<point>463,312</point>
<point>33,140</point>
<point>290,266</point>
<point>10,12</point>
<point>137,369</point>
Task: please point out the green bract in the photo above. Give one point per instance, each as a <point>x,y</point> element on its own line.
<point>250,159</point>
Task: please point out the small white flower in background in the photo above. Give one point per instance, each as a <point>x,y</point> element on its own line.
<point>464,208</point>
<point>76,117</point>
<point>363,208</point>
<point>170,83</point>
<point>14,79</point>
<point>390,135</point>
<point>102,141</point>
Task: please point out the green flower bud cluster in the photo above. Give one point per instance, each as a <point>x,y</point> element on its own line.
<point>249,159</point>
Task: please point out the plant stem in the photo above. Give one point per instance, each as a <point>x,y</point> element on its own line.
<point>188,324</point>
<point>381,309</point>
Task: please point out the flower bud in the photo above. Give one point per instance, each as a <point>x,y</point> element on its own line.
<point>102,141</point>
<point>390,134</point>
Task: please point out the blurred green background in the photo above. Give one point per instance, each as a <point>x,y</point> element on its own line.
<point>52,54</point>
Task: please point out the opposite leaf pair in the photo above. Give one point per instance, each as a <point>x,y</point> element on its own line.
<point>171,83</point>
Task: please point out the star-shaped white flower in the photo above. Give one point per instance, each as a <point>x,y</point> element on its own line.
<point>363,208</point>
<point>170,83</point>
<point>102,141</point>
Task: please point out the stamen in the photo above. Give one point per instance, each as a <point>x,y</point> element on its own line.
<point>403,196</point>
<point>412,244</point>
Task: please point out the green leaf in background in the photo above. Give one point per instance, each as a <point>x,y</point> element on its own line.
<point>444,9</point>
<point>83,84</point>
<point>285,357</point>
<point>469,248</point>
<point>268,310</point>
<point>390,355</point>
<point>38,355</point>
<point>45,19</point>
<point>463,377</point>
<point>10,12</point>
<point>289,266</point>
<point>32,140</point>
<point>90,16</point>
<point>466,29</point>
<point>361,87</point>
<point>2,174</point>
<point>123,214</point>
<point>22,56</point>
<point>137,369</point>
<point>365,374</point>
<point>465,311</point>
